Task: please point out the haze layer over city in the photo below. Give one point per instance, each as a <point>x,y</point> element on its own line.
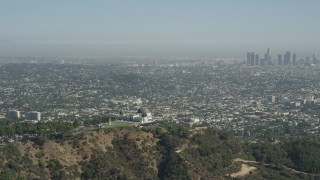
<point>139,28</point>
<point>160,89</point>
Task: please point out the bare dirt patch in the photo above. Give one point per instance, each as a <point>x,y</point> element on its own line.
<point>245,170</point>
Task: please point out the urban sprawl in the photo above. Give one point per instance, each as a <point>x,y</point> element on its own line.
<point>259,99</point>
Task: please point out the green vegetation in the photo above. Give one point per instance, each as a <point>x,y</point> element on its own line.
<point>56,130</point>
<point>98,120</point>
<point>305,155</point>
<point>299,155</point>
<point>41,128</point>
<point>117,124</point>
<point>166,151</point>
<point>123,161</point>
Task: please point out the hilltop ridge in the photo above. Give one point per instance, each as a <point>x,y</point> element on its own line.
<point>166,151</point>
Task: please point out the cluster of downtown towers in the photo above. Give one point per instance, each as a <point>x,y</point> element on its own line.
<point>254,59</point>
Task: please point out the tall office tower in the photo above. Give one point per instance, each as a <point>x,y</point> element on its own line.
<point>272,99</point>
<point>248,58</point>
<point>294,59</point>
<point>314,59</point>
<point>34,116</point>
<point>279,59</point>
<point>301,61</point>
<point>270,60</point>
<point>257,60</point>
<point>13,114</point>
<point>252,59</point>
<point>155,63</point>
<point>267,57</point>
<point>308,59</point>
<point>286,58</point>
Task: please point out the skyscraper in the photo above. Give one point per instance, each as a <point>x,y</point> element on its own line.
<point>267,57</point>
<point>257,60</point>
<point>155,63</point>
<point>252,59</point>
<point>34,116</point>
<point>286,59</point>
<point>267,54</point>
<point>308,59</point>
<point>314,59</point>
<point>13,114</point>
<point>279,59</point>
<point>248,58</point>
<point>294,59</point>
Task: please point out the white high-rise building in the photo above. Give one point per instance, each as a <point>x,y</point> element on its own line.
<point>34,116</point>
<point>13,114</point>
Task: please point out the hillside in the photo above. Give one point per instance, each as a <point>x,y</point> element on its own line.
<point>166,151</point>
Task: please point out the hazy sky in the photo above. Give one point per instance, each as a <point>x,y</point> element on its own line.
<point>158,27</point>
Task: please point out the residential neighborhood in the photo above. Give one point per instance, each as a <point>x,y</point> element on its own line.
<point>255,102</point>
